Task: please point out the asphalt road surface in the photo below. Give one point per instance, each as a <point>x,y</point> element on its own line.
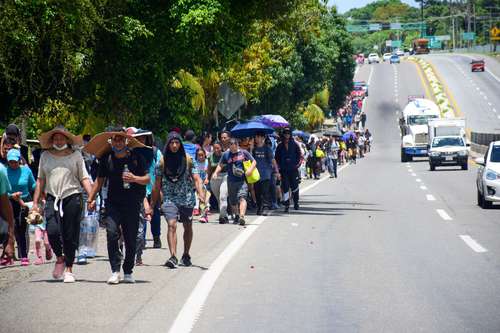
<point>386,247</point>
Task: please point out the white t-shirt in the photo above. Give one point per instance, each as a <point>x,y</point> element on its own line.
<point>62,174</point>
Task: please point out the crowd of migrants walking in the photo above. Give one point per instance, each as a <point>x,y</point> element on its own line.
<point>124,179</point>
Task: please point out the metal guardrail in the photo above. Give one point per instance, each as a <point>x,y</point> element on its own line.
<point>484,139</point>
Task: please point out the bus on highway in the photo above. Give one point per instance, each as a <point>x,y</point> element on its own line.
<point>421,46</point>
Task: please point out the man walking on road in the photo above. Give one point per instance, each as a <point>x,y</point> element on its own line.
<point>237,187</point>
<point>176,178</point>
<point>264,156</point>
<point>289,159</point>
<point>127,174</point>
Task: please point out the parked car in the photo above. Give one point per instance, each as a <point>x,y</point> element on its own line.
<point>386,57</point>
<point>373,57</point>
<point>400,53</point>
<point>363,85</point>
<point>394,59</point>
<point>488,176</point>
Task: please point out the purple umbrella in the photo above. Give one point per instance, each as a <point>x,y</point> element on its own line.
<point>272,120</point>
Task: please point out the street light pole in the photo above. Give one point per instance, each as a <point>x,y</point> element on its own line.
<point>421,18</point>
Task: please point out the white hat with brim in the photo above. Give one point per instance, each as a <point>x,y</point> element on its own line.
<point>100,144</point>
<point>46,138</point>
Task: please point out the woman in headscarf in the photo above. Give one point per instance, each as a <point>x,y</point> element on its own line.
<point>61,176</point>
<point>176,178</point>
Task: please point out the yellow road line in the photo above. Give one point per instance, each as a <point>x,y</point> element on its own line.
<point>428,95</point>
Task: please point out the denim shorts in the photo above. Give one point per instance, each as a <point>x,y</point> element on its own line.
<point>182,214</point>
<point>236,191</point>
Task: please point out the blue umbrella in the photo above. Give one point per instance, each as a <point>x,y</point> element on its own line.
<point>249,129</point>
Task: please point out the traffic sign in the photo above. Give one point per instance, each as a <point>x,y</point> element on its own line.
<point>388,43</point>
<point>495,33</point>
<point>443,38</point>
<point>468,35</point>
<point>396,43</point>
<point>395,26</point>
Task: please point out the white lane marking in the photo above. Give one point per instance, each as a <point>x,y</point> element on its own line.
<point>190,312</point>
<point>418,180</point>
<point>410,170</point>
<point>473,244</point>
<point>444,215</point>
<point>481,93</point>
<point>485,97</point>
<point>424,188</point>
<point>495,110</point>
<point>477,88</point>
<point>295,224</point>
<point>430,197</point>
<point>498,117</point>
<point>414,174</point>
<point>489,103</point>
<point>370,77</point>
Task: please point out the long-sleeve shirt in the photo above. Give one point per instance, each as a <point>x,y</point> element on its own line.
<point>288,158</point>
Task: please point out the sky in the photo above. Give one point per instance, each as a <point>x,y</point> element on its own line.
<point>344,5</point>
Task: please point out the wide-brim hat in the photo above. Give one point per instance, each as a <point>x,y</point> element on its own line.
<point>46,138</point>
<point>100,144</point>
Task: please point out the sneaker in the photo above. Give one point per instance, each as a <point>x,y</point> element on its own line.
<point>69,277</point>
<point>296,206</point>
<point>156,242</point>
<point>186,260</point>
<point>114,278</point>
<point>138,261</point>
<point>236,219</point>
<point>259,211</point>
<point>58,271</point>
<point>128,278</point>
<point>25,262</point>
<point>196,212</point>
<point>241,221</point>
<point>39,261</point>
<point>81,260</point>
<point>203,219</point>
<point>172,262</point>
<point>223,220</point>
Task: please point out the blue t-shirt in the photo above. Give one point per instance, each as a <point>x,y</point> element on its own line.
<point>264,157</point>
<point>152,171</point>
<point>234,163</point>
<point>21,180</point>
<point>4,181</point>
<point>190,149</point>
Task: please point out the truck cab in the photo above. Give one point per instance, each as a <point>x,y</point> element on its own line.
<point>414,127</point>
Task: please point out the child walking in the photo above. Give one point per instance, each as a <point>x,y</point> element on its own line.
<point>203,169</point>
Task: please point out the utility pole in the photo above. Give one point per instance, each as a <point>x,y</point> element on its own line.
<point>452,26</point>
<point>421,18</point>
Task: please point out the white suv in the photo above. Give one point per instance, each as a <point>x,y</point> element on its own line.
<point>488,176</point>
<point>373,57</point>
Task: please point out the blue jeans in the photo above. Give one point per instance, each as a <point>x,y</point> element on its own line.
<point>332,166</point>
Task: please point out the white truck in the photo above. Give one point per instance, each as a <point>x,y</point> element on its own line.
<point>448,143</point>
<point>414,127</point>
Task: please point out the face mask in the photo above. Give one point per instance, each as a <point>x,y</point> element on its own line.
<point>60,148</point>
<point>119,151</point>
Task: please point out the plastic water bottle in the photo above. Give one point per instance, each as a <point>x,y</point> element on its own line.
<point>126,185</point>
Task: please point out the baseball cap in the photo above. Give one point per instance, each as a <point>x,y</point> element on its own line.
<point>12,129</point>
<point>13,155</point>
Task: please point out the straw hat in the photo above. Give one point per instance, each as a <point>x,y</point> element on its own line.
<point>101,143</point>
<point>46,138</point>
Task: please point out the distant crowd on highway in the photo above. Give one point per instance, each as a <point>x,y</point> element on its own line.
<point>130,181</point>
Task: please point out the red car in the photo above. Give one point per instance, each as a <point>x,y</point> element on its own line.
<point>477,65</point>
<point>358,91</point>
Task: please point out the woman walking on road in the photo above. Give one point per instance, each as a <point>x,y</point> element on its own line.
<point>23,184</point>
<point>61,176</point>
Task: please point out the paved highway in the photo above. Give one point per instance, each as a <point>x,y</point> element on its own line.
<point>386,247</point>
